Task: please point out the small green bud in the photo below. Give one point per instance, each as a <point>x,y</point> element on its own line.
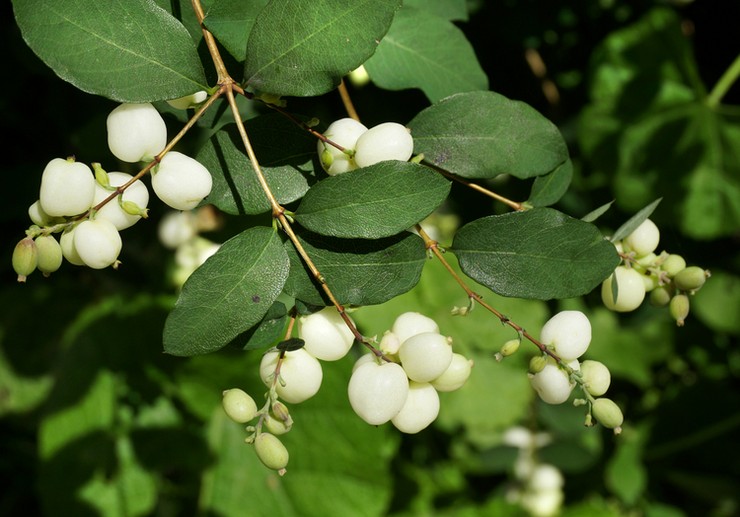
<point>271,452</point>
<point>239,406</point>
<point>132,208</point>
<point>49,254</point>
<point>648,260</point>
<point>679,308</point>
<point>690,279</point>
<point>275,426</point>
<point>101,176</point>
<point>326,158</point>
<point>25,258</point>
<point>510,347</point>
<point>607,413</point>
<point>660,296</point>
<point>673,264</point>
<point>537,364</point>
<point>280,411</point>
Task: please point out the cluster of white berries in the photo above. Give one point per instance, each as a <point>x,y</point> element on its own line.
<point>665,276</point>
<point>568,335</point>
<point>90,206</point>
<point>362,147</point>
<point>538,487</point>
<point>402,386</point>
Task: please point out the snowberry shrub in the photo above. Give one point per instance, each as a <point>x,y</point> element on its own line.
<point>377,392</point>
<point>67,188</point>
<point>97,243</point>
<point>343,132</point>
<point>136,132</point>
<point>569,333</point>
<point>386,141</point>
<point>326,335</point>
<point>299,378</point>
<point>181,181</point>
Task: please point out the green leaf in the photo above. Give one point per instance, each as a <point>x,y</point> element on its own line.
<point>456,10</point>
<point>130,51</point>
<point>633,222</point>
<point>539,253</point>
<point>626,475</point>
<point>484,134</point>
<point>594,214</point>
<point>301,48</point>
<point>228,294</point>
<point>231,22</point>
<point>548,189</point>
<point>373,202</point>
<point>358,272</point>
<point>267,331</point>
<point>717,303</point>
<point>424,51</point>
<point>286,155</point>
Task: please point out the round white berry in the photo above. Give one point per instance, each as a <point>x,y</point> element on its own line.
<point>456,374</point>
<point>326,335</point>
<point>97,243</point>
<point>411,323</point>
<point>136,132</point>
<point>419,410</point>
<point>175,228</point>
<point>569,333</point>
<point>238,405</point>
<point>552,383</point>
<point>545,477</point>
<point>377,392</point>
<point>181,181</point>
<point>66,241</point>
<point>630,290</point>
<point>67,188</point>
<point>343,132</point>
<point>425,356</point>
<point>386,141</point>
<point>644,239</point>
<point>188,101</point>
<point>136,193</point>
<point>596,377</point>
<point>300,373</point>
<point>389,343</point>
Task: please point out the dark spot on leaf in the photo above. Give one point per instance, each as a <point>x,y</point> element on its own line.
<point>256,299</point>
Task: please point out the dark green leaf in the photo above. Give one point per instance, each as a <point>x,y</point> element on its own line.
<point>267,331</point>
<point>424,51</point>
<point>597,212</point>
<point>377,201</point>
<point>456,10</point>
<point>539,253</point>
<point>99,47</point>
<point>548,189</point>
<point>285,153</point>
<point>636,220</point>
<point>358,272</point>
<point>301,48</point>
<point>228,294</point>
<point>231,22</point>
<point>484,134</point>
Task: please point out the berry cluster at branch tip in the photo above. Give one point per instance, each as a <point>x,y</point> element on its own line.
<point>664,278</point>
<point>88,206</point>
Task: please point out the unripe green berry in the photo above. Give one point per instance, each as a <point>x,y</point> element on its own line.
<point>276,426</point>
<point>672,265</point>
<point>660,296</point>
<point>679,308</point>
<point>607,413</point>
<point>271,451</point>
<point>510,347</point>
<point>596,377</point>
<point>239,406</point>
<point>690,279</point>
<point>25,258</point>
<point>49,254</point>
<point>537,364</point>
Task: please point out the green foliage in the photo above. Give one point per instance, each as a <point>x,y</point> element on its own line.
<point>98,421</point>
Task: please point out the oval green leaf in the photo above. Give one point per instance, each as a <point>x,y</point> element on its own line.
<point>286,155</point>
<point>301,48</point>
<point>373,202</point>
<point>228,294</point>
<point>540,254</point>
<point>358,272</point>
<point>484,134</point>
<point>100,47</point>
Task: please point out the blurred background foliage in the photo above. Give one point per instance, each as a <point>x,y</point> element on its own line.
<point>96,420</point>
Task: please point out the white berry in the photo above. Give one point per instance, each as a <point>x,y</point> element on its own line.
<point>596,377</point>
<point>176,228</point>
<point>343,132</point>
<point>644,239</point>
<point>188,101</point>
<point>181,181</point>
<point>97,243</point>
<point>552,383</point>
<point>420,409</point>
<point>411,323</point>
<point>67,188</point>
<point>66,241</point>
<point>136,132</point>
<point>377,392</point>
<point>300,373</point>
<point>569,333</point>
<point>425,356</point>
<point>386,141</point>
<point>630,290</point>
<point>326,335</point>
<point>456,374</point>
<point>136,193</point>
